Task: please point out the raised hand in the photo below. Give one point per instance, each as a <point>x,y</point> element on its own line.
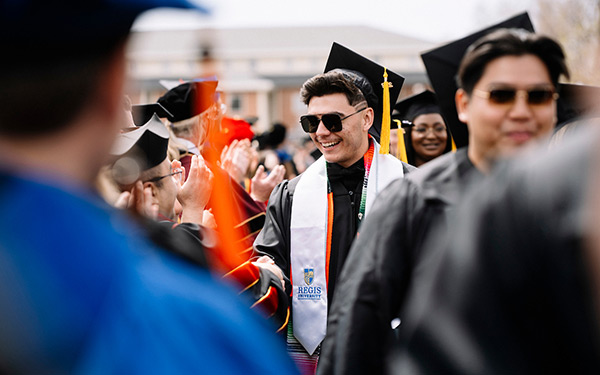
<point>196,190</point>
<point>268,264</point>
<point>263,183</point>
<point>139,201</point>
<point>236,159</point>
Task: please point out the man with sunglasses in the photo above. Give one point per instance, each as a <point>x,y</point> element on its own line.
<point>507,83</point>
<point>312,219</point>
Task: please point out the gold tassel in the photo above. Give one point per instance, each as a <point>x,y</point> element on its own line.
<point>401,147</point>
<point>386,116</point>
<point>453,144</point>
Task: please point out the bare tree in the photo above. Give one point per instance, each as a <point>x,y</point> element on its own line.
<point>576,25</point>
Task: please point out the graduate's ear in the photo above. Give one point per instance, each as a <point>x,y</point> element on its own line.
<point>462,100</point>
<point>368,118</point>
<point>153,189</point>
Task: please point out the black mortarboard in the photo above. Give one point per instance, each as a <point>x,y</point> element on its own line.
<point>442,67</point>
<point>343,58</point>
<point>45,30</point>
<point>576,101</point>
<point>415,105</point>
<point>146,145</point>
<point>189,99</point>
<point>142,113</point>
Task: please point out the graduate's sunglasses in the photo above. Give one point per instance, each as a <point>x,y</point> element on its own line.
<point>332,121</point>
<point>535,96</point>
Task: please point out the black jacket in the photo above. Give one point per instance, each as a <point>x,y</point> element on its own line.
<point>512,293</point>
<point>379,269</point>
<point>274,239</point>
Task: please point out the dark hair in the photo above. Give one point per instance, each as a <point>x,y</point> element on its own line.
<point>43,95</point>
<point>332,82</point>
<point>510,42</point>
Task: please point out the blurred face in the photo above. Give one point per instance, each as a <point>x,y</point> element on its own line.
<point>348,145</point>
<point>429,136</point>
<point>498,127</point>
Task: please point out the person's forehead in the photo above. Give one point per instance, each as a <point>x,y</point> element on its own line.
<point>429,119</point>
<point>331,103</point>
<point>524,70</point>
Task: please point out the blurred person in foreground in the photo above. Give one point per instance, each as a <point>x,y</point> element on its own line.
<point>507,90</point>
<point>517,289</point>
<point>313,218</point>
<point>81,290</point>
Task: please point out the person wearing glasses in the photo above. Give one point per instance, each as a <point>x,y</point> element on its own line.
<point>195,116</point>
<point>142,158</point>
<point>516,288</point>
<point>428,136</point>
<point>507,98</point>
<point>312,219</point>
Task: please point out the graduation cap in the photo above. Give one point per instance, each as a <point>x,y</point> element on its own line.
<point>576,101</point>
<point>60,30</point>
<point>142,113</point>
<point>371,85</point>
<point>172,83</point>
<point>139,150</point>
<point>442,67</point>
<point>416,105</point>
<point>189,99</point>
<point>405,111</point>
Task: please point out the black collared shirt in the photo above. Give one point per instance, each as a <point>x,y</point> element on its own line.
<point>346,185</point>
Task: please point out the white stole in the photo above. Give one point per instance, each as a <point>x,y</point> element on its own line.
<point>308,247</point>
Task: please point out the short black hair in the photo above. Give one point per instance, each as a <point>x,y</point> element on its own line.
<point>332,82</point>
<point>510,42</point>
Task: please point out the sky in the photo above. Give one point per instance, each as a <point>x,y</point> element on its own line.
<point>431,20</point>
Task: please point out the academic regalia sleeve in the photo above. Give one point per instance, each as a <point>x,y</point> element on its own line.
<point>263,288</point>
<point>250,212</point>
<point>373,282</point>
<point>274,238</point>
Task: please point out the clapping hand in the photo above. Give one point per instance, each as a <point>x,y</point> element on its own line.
<point>263,183</point>
<point>195,192</point>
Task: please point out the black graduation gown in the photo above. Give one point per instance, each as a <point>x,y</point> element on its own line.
<point>379,269</point>
<point>274,239</point>
<point>511,294</point>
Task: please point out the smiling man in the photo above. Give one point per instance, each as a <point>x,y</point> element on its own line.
<point>313,219</point>
<point>506,96</point>
<point>508,100</point>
